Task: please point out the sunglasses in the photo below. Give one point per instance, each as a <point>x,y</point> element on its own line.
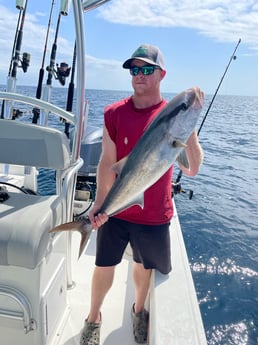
<point>146,70</point>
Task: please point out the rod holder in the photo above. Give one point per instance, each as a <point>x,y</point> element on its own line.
<point>64,7</point>
<point>20,4</point>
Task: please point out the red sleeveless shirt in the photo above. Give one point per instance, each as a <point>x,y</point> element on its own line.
<point>125,125</point>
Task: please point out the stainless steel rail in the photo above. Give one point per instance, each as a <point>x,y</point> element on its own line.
<point>25,314</point>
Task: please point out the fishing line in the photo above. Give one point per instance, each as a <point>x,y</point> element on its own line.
<point>233,57</point>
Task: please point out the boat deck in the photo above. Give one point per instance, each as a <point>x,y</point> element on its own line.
<point>116,327</point>
<point>174,315</point>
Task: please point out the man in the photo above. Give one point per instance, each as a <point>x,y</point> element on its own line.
<point>124,123</point>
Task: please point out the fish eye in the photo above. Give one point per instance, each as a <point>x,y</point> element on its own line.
<point>184,106</point>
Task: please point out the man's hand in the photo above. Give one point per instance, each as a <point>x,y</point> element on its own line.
<point>97,219</point>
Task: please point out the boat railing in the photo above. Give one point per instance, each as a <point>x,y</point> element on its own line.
<point>25,314</point>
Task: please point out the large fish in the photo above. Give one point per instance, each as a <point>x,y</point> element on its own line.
<point>160,145</point>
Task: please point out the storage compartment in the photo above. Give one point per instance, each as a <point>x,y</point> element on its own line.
<point>53,302</point>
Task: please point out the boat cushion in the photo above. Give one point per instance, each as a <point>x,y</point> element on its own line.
<point>33,145</point>
<point>24,223</point>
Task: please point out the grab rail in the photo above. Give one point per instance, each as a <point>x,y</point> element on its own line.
<point>39,104</point>
<point>25,315</point>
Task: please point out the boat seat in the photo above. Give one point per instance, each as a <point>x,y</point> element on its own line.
<point>25,221</point>
<point>33,145</point>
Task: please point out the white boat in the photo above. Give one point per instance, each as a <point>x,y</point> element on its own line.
<point>44,289</point>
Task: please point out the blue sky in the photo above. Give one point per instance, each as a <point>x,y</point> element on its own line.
<point>197,39</point>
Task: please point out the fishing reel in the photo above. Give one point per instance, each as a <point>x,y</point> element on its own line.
<point>62,72</point>
<point>3,194</point>
<point>25,62</point>
<point>16,113</point>
<point>177,189</point>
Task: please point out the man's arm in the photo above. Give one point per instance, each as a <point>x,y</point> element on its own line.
<point>105,178</point>
<point>194,155</point>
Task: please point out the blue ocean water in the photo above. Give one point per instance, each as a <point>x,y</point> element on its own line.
<point>220,222</point>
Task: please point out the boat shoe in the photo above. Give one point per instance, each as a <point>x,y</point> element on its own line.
<point>140,325</point>
<point>90,333</point>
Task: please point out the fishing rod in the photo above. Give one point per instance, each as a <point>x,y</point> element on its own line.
<point>47,90</point>
<point>36,111</point>
<point>21,5</point>
<point>41,71</point>
<point>233,57</point>
<point>26,57</point>
<point>69,104</point>
<point>176,186</point>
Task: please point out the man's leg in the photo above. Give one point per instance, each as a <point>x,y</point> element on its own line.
<point>141,278</point>
<point>101,283</point>
<point>140,316</point>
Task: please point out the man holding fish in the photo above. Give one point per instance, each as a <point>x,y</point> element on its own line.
<point>134,179</point>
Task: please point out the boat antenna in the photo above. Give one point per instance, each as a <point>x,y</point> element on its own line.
<point>36,111</point>
<point>233,57</point>
<point>70,94</point>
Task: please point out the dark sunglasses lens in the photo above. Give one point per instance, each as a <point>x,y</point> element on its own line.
<point>134,70</point>
<point>146,70</point>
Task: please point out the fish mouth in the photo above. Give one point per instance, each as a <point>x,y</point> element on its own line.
<point>198,98</point>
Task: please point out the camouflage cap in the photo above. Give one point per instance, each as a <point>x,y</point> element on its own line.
<point>146,53</point>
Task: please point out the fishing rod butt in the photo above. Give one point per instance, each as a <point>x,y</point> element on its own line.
<point>20,4</point>
<point>64,8</point>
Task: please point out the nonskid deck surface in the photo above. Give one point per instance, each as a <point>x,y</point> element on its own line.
<point>116,319</point>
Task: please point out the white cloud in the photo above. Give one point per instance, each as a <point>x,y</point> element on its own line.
<point>224,20</point>
<point>110,70</point>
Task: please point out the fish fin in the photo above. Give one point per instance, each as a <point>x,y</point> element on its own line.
<point>85,235</point>
<point>177,143</point>
<point>118,166</point>
<point>83,225</point>
<point>71,226</point>
<point>139,200</point>
<point>183,160</point>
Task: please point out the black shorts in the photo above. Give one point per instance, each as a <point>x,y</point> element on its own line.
<point>150,244</point>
